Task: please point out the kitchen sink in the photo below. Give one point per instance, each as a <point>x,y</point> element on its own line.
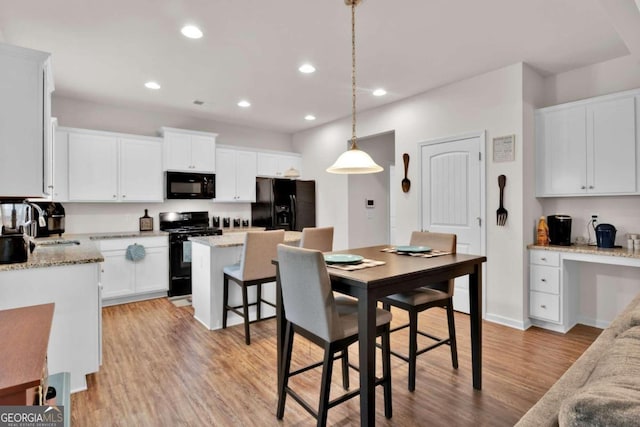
<point>56,242</point>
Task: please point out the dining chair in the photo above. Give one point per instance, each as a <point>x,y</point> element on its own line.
<point>311,311</point>
<point>319,238</point>
<point>421,299</point>
<point>254,269</point>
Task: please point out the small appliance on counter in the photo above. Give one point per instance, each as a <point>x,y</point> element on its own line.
<point>559,230</point>
<point>49,217</point>
<point>13,241</point>
<point>606,235</point>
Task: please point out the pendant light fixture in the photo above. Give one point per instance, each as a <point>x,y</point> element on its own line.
<point>354,160</point>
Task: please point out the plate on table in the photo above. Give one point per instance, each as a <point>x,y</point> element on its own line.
<point>413,249</point>
<point>343,259</point>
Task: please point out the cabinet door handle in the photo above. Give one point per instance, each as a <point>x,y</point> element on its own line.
<point>583,187</point>
<point>543,259</point>
<point>114,196</point>
<point>543,280</point>
<point>124,196</point>
<point>543,306</point>
<point>591,187</point>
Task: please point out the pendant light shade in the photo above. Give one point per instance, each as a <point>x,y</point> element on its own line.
<point>354,160</point>
<point>292,173</point>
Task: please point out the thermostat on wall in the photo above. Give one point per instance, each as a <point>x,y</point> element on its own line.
<point>369,203</point>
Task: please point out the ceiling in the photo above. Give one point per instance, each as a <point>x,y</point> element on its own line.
<point>106,50</point>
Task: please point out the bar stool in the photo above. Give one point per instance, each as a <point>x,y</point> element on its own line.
<point>318,238</point>
<point>254,269</point>
<point>311,311</point>
<point>421,299</point>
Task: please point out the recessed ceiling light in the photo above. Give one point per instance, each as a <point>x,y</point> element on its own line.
<point>191,31</point>
<point>309,117</point>
<point>198,102</point>
<point>307,68</point>
<point>152,85</point>
<point>379,92</point>
<point>244,104</point>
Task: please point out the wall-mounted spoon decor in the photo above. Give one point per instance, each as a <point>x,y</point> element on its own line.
<point>406,184</point>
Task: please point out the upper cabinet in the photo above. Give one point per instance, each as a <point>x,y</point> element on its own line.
<point>189,151</point>
<point>109,167</point>
<point>588,148</point>
<point>26,84</point>
<point>235,175</point>
<point>274,165</point>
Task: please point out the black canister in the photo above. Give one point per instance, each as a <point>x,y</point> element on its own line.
<point>215,222</point>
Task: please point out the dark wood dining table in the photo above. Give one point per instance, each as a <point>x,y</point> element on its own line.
<point>399,273</point>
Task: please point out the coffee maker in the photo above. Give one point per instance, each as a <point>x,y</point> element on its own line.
<point>559,229</point>
<point>49,217</point>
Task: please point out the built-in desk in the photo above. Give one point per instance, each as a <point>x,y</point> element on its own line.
<point>554,283</point>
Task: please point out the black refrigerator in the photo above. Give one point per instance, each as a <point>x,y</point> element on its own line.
<point>284,204</point>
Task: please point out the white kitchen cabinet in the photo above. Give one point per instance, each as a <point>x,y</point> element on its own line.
<point>110,167</point>
<point>235,175</point>
<point>124,280</point>
<point>274,165</point>
<point>140,170</point>
<point>545,291</point>
<point>26,84</point>
<point>93,167</point>
<point>588,148</point>
<point>60,191</point>
<point>189,151</point>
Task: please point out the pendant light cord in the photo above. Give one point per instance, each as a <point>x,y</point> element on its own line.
<point>353,75</point>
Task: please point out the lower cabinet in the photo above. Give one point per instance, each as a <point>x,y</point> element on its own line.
<point>544,286</point>
<point>124,280</point>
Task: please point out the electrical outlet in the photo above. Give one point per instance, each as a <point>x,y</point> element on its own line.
<point>594,218</point>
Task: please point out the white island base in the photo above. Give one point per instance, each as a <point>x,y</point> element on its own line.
<point>209,256</point>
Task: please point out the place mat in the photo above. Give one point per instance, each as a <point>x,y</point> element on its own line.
<point>431,254</point>
<point>366,263</point>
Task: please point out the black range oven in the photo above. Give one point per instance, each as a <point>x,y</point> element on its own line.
<point>181,226</point>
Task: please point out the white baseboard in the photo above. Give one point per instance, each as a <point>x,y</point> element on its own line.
<point>506,321</point>
<point>596,323</point>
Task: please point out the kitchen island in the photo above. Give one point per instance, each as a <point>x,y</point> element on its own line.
<point>210,254</point>
<point>67,275</point>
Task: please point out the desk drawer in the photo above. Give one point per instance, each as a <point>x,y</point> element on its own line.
<point>549,258</point>
<point>545,279</point>
<point>544,306</point>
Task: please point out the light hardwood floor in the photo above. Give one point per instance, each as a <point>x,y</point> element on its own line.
<point>162,368</point>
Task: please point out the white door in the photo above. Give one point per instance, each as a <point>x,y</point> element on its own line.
<point>93,167</point>
<point>226,174</point>
<point>203,153</point>
<point>452,197</point>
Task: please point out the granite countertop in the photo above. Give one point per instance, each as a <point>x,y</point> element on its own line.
<point>237,239</point>
<point>56,255</point>
<point>587,249</point>
<point>124,234</point>
<point>51,255</point>
<point>229,230</point>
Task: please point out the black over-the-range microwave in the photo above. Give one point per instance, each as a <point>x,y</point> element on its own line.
<point>188,185</point>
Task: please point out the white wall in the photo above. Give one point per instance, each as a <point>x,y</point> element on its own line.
<point>126,119</point>
<point>370,226</point>
<point>115,217</point>
<point>491,102</point>
<point>110,217</point>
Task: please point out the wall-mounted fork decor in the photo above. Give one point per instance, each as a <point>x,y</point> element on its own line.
<point>502,213</point>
